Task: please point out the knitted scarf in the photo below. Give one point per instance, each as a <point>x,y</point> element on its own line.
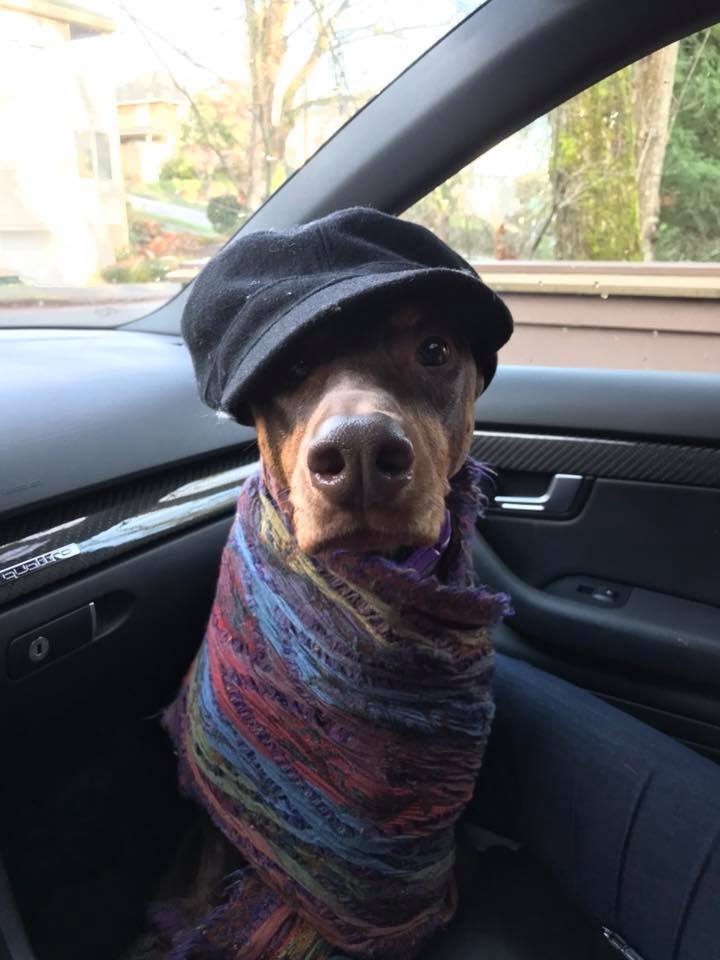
<point>333,724</point>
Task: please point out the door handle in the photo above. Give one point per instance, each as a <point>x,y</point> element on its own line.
<point>557,499</point>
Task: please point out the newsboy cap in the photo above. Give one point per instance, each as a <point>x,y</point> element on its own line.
<point>264,289</point>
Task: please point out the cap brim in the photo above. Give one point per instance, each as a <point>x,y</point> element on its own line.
<point>487,322</point>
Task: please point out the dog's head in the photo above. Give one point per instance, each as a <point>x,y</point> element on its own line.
<point>365,428</point>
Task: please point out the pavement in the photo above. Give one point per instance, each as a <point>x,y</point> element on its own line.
<point>79,316</point>
<point>105,305</point>
<point>164,210</point>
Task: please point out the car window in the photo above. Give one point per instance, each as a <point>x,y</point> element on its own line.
<point>600,222</point>
<point>137,135</point>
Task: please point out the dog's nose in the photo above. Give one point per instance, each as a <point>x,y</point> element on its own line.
<point>360,459</point>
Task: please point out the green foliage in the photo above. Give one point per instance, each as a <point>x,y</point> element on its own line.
<point>214,140</point>
<point>144,271</point>
<point>178,168</point>
<point>592,168</point>
<point>690,191</point>
<point>525,228</point>
<point>224,213</point>
<point>444,211</point>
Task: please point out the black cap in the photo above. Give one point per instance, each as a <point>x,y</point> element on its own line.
<point>264,289</point>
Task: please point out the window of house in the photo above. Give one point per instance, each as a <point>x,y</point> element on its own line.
<point>93,149</point>
<point>102,154</point>
<point>600,222</point>
<point>85,153</point>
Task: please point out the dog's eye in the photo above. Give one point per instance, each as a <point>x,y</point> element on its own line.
<point>433,352</point>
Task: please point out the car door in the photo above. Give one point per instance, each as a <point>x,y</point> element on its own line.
<point>603,427</point>
<point>603,524</point>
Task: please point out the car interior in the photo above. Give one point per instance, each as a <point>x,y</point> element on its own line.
<point>117,489</point>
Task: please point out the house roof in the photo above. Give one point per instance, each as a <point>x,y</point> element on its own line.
<point>86,20</point>
<point>149,88</point>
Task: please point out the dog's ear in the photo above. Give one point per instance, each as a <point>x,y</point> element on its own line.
<point>479,381</point>
<point>267,450</point>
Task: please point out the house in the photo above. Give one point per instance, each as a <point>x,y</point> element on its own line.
<point>148,117</point>
<point>62,200</point>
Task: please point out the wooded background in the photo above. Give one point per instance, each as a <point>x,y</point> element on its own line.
<point>633,163</point>
<point>633,171</point>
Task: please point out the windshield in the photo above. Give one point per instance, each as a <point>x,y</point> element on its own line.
<point>137,135</point>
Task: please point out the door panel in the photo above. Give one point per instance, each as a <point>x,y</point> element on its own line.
<point>91,814</point>
<point>596,457</point>
<point>117,487</point>
<point>649,535</point>
<point>604,404</point>
<point>619,591</point>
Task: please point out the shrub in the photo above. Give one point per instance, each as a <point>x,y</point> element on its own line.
<point>178,168</point>
<point>141,230</point>
<point>224,213</point>
<point>143,271</point>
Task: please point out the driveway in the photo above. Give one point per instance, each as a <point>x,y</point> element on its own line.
<point>164,210</point>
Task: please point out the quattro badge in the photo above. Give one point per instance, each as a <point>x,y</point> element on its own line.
<point>18,570</point>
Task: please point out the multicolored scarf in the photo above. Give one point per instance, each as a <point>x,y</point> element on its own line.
<point>333,724</point>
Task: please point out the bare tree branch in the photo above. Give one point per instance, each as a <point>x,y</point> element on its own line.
<point>334,42</point>
<point>323,44</point>
<point>185,54</point>
<point>299,27</point>
<point>320,46</point>
<point>677,105</point>
<point>321,102</point>
<point>185,92</point>
<point>566,198</point>
<point>251,27</point>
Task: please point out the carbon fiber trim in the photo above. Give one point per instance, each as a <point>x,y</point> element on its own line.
<point>612,459</point>
<point>38,549</point>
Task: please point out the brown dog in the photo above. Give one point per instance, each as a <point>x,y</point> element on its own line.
<point>366,429</point>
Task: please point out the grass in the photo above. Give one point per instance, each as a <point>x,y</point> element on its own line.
<point>164,192</point>
<point>181,226</point>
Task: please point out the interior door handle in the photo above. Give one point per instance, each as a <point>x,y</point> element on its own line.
<point>557,499</point>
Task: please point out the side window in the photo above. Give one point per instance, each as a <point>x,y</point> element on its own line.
<point>136,140</point>
<point>600,222</point>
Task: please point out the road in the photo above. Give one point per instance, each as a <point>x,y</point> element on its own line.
<point>170,211</point>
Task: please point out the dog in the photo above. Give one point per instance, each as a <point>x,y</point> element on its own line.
<point>367,429</point>
<point>363,427</point>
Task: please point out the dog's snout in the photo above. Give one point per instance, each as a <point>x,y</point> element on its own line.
<point>360,460</point>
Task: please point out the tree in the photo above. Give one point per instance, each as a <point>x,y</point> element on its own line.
<point>652,88</point>
<point>690,191</point>
<point>592,170</point>
<point>445,211</point>
<point>277,88</point>
<point>288,43</point>
<point>240,134</point>
<point>213,142</point>
<point>275,109</point>
<point>224,213</point>
<point>608,148</point>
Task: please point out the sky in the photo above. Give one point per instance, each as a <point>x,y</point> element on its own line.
<point>381,38</point>
<point>203,41</point>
